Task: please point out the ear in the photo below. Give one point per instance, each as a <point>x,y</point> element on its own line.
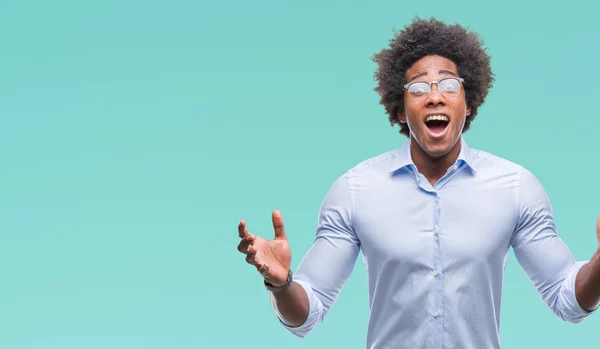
<point>468,111</point>
<point>401,116</point>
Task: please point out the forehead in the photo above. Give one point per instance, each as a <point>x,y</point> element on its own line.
<point>431,65</point>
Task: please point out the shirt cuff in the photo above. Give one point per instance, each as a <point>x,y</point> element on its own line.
<point>314,312</point>
<point>573,311</point>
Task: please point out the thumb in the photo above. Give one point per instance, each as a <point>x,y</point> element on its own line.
<point>278,225</point>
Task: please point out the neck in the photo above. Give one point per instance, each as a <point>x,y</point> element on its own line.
<point>433,168</point>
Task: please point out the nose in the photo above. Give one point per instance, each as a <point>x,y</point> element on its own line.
<point>435,97</point>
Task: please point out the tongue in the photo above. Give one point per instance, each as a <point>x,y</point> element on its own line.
<point>437,126</point>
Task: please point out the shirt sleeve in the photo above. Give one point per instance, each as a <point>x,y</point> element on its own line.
<point>543,255</point>
<point>328,263</point>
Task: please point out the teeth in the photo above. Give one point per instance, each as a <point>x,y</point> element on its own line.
<point>437,117</point>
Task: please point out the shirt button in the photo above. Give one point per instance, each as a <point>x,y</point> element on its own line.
<point>435,314</point>
<point>435,273</point>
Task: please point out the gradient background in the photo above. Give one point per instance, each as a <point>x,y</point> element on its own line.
<point>135,135</point>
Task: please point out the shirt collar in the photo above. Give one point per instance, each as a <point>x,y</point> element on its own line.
<point>403,158</point>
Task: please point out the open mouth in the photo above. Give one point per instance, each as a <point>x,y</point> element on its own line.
<point>437,123</point>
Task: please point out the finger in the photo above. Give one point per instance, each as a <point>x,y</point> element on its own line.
<point>278,225</point>
<point>251,259</point>
<point>245,243</point>
<point>598,228</point>
<point>243,246</point>
<point>242,231</point>
<point>264,270</point>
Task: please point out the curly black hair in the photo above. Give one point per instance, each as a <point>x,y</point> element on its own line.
<point>432,37</point>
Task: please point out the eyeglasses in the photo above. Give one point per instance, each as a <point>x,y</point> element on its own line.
<point>420,90</point>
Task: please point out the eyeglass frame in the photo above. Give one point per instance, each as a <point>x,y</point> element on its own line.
<point>460,81</point>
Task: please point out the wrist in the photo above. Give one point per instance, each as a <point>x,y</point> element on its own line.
<point>278,288</point>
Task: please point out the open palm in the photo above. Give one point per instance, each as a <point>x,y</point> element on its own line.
<point>271,258</point>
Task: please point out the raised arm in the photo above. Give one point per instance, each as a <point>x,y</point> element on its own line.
<point>544,256</point>
<point>324,269</point>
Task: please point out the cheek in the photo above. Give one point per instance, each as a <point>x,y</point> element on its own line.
<point>412,123</point>
<point>410,116</point>
<point>462,111</point>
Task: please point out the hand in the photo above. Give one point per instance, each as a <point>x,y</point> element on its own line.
<point>598,231</point>
<point>270,257</point>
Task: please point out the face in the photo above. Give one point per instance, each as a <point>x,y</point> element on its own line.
<point>436,121</point>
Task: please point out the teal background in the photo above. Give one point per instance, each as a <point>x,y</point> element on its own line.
<point>135,135</point>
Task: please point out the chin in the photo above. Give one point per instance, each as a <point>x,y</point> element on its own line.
<point>436,144</point>
<point>437,148</point>
<point>438,151</point>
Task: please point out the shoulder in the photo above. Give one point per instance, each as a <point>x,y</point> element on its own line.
<point>493,167</point>
<point>492,163</point>
<point>378,164</point>
<point>382,160</point>
<point>364,173</point>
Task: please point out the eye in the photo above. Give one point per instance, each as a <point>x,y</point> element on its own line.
<point>418,89</point>
<point>450,85</point>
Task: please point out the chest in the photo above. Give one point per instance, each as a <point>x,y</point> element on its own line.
<point>462,221</point>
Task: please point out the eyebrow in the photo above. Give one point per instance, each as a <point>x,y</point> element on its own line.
<point>443,71</point>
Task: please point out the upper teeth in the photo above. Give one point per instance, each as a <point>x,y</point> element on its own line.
<point>437,117</point>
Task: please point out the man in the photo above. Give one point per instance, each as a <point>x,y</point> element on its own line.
<point>434,219</point>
